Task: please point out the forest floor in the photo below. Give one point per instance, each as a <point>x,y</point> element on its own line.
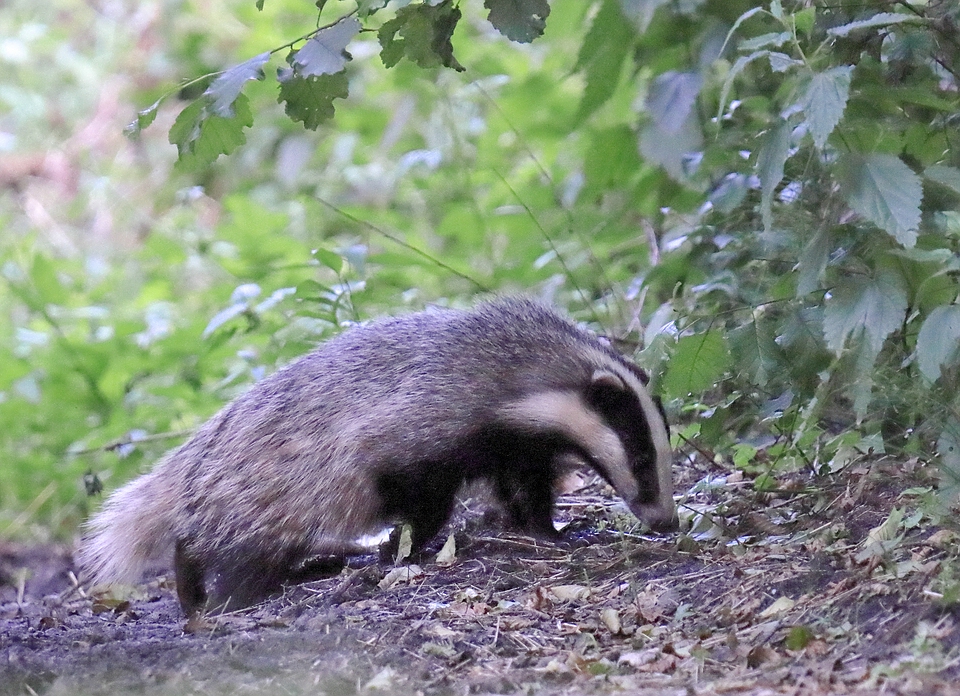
<point>837,585</point>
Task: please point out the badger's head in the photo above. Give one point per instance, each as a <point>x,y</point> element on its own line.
<point>619,429</point>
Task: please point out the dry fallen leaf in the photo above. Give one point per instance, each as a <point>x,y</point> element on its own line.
<point>448,554</point>
<point>399,575</point>
<point>781,606</point>
<point>570,593</point>
<point>611,619</point>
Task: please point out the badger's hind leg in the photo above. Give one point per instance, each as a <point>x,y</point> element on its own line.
<point>189,573</point>
<point>233,580</point>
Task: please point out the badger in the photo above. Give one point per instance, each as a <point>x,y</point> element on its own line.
<point>380,426</point>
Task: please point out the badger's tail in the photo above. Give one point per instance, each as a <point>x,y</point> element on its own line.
<point>134,526</point>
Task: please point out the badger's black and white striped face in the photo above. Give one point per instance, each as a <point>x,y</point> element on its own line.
<point>616,427</point>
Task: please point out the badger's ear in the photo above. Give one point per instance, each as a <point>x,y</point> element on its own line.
<point>602,380</point>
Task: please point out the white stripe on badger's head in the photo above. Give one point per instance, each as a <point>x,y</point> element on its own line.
<point>571,414</point>
<point>661,513</point>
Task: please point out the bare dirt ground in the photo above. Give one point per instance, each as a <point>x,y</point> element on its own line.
<point>822,589</point>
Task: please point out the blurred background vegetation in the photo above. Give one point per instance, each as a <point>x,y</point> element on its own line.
<point>757,201</point>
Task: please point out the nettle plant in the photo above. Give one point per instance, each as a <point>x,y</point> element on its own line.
<point>790,168</point>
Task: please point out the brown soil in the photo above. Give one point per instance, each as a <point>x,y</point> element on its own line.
<point>781,595</point>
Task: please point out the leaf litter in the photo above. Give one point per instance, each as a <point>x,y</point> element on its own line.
<point>837,585</point>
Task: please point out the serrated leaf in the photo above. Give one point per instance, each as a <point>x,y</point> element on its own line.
<point>885,191</point>
<point>671,99</point>
<point>938,341</point>
<point>946,176</point>
<point>518,20</point>
<point>640,12</point>
<point>861,305</point>
<point>824,101</point>
<point>421,34</point>
<point>201,136</point>
<point>881,19</point>
<point>697,364</point>
<point>226,88</point>
<point>325,52</point>
<point>309,100</point>
<point>770,162</point>
<point>601,57</point>
<point>756,352</point>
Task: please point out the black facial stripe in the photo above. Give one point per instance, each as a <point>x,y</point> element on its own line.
<point>622,411</point>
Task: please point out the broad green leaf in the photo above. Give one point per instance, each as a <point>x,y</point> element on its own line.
<point>46,284</point>
<point>938,341</point>
<point>202,136</point>
<point>947,176</point>
<point>755,351</point>
<point>309,100</point>
<point>804,20</point>
<point>226,88</point>
<point>773,156</point>
<point>601,57</point>
<point>641,12</point>
<point>881,19</point>
<point>824,101</point>
<point>518,20</point>
<point>697,364</point>
<point>671,99</point>
<point>873,307</point>
<point>325,52</point>
<point>885,191</point>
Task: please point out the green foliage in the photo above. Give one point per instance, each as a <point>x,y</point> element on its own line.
<point>771,190</point>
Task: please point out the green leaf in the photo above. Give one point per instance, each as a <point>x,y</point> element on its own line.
<point>309,100</point>
<point>325,52</point>
<point>144,119</point>
<point>780,62</point>
<point>518,20</point>
<point>330,259</point>
<point>202,136</point>
<point>756,352</point>
<point>365,8</point>
<point>885,191</point>
<point>671,99</point>
<point>882,19</point>
<point>861,305</point>
<point>421,34</point>
<point>226,88</point>
<point>824,101</point>
<point>601,57</point>
<point>698,362</point>
<point>770,162</point>
<point>938,340</point>
<point>798,638</point>
<point>946,176</point>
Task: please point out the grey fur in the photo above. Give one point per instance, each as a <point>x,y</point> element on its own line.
<point>306,461</point>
